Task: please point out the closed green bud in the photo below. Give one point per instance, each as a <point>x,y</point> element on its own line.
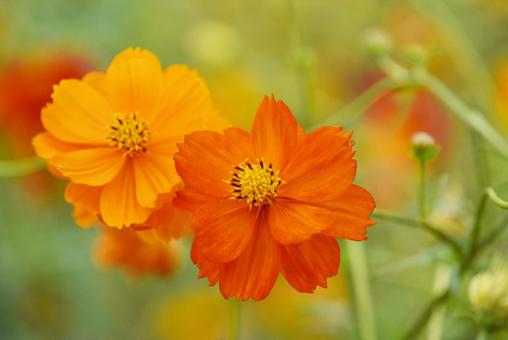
<point>424,148</point>
<point>416,55</point>
<point>377,41</point>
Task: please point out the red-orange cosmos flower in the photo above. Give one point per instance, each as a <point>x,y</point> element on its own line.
<point>269,201</point>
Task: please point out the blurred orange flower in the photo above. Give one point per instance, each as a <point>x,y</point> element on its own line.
<point>25,87</point>
<point>269,201</point>
<point>114,134</point>
<point>126,249</point>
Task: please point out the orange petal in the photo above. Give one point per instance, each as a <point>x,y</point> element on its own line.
<point>87,197</point>
<point>310,263</point>
<point>97,80</point>
<point>165,223</point>
<point>94,167</point>
<point>155,174</point>
<point>254,272</point>
<point>274,132</point>
<point>322,167</point>
<point>189,200</point>
<point>293,222</point>
<point>83,217</point>
<point>184,106</point>
<point>224,228</point>
<point>134,82</point>
<point>46,146</point>
<point>119,205</point>
<point>123,248</point>
<point>206,267</point>
<point>351,211</point>
<point>78,114</point>
<point>205,161</point>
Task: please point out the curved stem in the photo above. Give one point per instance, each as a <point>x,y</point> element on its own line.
<point>471,118</point>
<point>438,234</point>
<point>354,111</point>
<point>468,116</point>
<point>491,193</point>
<point>21,167</point>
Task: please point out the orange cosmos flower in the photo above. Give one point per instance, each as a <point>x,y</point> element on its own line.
<point>126,249</point>
<point>269,201</point>
<point>114,134</point>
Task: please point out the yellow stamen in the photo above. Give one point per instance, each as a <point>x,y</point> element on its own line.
<point>255,182</point>
<point>129,134</point>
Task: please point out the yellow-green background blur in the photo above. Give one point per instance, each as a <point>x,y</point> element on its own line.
<point>49,285</point>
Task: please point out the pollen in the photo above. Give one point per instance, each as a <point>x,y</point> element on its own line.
<point>129,134</point>
<point>255,182</point>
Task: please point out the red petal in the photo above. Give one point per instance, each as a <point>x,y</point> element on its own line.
<point>307,265</point>
<point>254,272</point>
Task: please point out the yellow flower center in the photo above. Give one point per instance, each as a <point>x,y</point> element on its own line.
<point>255,182</point>
<point>129,134</point>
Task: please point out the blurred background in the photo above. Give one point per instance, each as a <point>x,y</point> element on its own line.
<point>52,282</point>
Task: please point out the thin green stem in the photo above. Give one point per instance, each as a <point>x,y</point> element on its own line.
<point>21,167</point>
<point>494,235</point>
<point>424,317</point>
<point>354,111</point>
<point>491,193</point>
<point>442,282</point>
<point>471,118</point>
<point>301,58</point>
<point>482,334</point>
<point>234,326</point>
<point>476,231</point>
<point>361,288</point>
<point>419,223</point>
<point>421,190</point>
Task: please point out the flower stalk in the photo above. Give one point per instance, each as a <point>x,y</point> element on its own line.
<point>234,325</point>
<point>21,167</point>
<point>361,289</point>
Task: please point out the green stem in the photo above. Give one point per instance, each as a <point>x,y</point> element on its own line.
<point>494,235</point>
<point>471,118</point>
<point>419,223</point>
<point>437,318</point>
<point>354,111</point>
<point>491,193</point>
<point>21,167</point>
<point>421,190</point>
<point>475,232</point>
<point>301,59</point>
<point>234,326</point>
<point>361,288</point>
<point>424,317</point>
<point>482,334</point>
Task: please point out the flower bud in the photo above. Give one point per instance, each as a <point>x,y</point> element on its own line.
<point>488,292</point>
<point>378,41</point>
<point>424,148</point>
<point>416,55</point>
